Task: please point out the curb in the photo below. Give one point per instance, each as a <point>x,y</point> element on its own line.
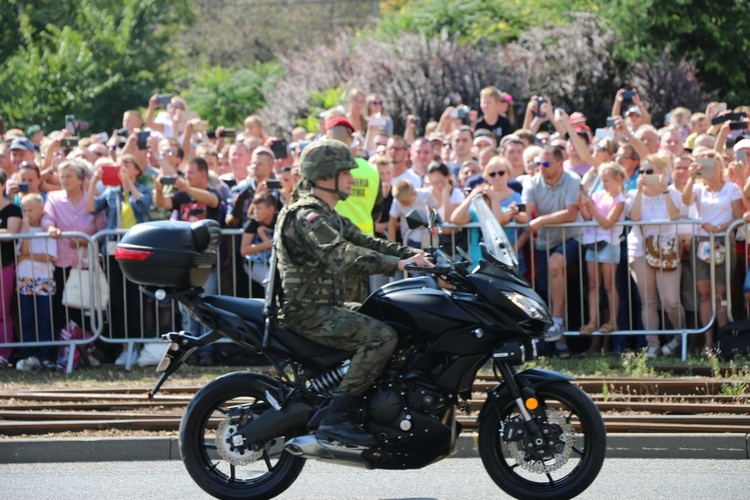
<point>29,450</point>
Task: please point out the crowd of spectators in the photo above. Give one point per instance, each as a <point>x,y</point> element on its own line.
<point>545,169</point>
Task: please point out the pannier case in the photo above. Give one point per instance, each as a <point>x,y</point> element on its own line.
<point>169,253</point>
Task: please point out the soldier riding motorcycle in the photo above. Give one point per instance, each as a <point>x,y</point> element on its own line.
<point>248,435</point>
<point>317,249</point>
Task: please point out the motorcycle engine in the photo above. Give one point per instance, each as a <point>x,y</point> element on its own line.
<point>385,405</point>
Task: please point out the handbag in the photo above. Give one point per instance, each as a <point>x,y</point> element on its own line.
<point>78,294</point>
<point>705,252</point>
<point>662,252</point>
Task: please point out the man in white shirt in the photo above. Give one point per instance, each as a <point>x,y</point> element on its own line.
<point>397,153</point>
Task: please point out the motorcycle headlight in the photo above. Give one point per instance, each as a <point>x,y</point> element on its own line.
<point>531,307</point>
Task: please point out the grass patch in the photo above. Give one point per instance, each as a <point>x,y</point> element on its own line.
<point>636,364</point>
<point>108,376</point>
<point>735,373</point>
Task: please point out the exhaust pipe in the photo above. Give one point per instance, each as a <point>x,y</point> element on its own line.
<point>312,448</point>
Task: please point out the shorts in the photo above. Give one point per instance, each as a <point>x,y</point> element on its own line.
<point>571,252</point>
<point>703,268</point>
<point>607,255</point>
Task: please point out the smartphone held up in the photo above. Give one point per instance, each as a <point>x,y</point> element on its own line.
<point>707,170</point>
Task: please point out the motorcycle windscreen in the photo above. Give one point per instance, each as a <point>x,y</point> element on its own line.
<point>495,242</point>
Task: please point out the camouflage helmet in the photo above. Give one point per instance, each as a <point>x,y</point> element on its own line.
<point>324,159</point>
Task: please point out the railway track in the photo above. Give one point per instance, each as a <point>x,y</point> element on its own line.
<point>697,405</point>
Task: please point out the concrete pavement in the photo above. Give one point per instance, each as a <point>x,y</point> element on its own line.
<point>30,450</point>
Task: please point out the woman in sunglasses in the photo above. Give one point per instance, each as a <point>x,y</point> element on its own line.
<point>653,250</point>
<point>504,203</point>
<point>376,115</point>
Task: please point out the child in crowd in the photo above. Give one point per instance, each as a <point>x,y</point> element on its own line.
<point>493,104</point>
<point>27,180</point>
<point>36,286</point>
<point>257,239</point>
<point>253,128</point>
<point>406,199</point>
<point>607,207</point>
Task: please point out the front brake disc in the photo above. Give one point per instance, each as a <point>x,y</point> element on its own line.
<point>562,436</point>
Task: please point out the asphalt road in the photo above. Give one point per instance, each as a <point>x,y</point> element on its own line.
<point>454,479</point>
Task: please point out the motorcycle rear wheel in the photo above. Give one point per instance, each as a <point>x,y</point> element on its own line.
<point>234,472</point>
<point>539,479</point>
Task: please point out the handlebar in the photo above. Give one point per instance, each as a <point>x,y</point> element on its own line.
<point>439,269</point>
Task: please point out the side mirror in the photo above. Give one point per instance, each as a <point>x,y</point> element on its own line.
<point>435,219</point>
<point>415,219</point>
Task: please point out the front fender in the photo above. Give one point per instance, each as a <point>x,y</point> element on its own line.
<point>533,378</point>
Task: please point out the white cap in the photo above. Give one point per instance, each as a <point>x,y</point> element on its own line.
<point>743,144</point>
<point>634,109</point>
<point>486,139</point>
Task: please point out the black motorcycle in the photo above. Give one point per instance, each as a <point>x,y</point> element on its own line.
<point>247,435</point>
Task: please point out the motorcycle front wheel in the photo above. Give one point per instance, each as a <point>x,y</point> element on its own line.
<point>574,434</point>
<point>219,467</point>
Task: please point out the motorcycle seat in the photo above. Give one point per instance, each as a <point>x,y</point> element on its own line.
<point>282,339</point>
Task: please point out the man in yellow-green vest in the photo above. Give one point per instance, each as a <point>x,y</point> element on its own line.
<point>365,202</point>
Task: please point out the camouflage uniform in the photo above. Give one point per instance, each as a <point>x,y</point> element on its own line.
<point>317,250</point>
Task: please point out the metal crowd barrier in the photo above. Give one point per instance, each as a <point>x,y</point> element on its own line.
<point>146,321</point>
<point>90,320</point>
<point>685,228</point>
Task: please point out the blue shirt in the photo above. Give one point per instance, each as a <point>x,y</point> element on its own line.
<point>111,199</point>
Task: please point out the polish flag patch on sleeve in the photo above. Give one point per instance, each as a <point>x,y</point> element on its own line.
<point>311,216</point>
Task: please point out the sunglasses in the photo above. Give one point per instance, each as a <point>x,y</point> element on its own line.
<point>647,171</point>
<point>499,172</point>
<point>379,103</point>
<point>601,149</point>
<point>543,164</point>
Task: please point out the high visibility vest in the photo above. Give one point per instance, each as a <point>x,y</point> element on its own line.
<point>358,206</point>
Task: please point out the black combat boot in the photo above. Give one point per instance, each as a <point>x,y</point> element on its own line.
<point>339,425</point>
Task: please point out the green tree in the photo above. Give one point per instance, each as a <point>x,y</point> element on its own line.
<point>225,96</point>
<point>26,20</point>
<point>716,35</point>
<point>104,59</point>
<point>477,20</point>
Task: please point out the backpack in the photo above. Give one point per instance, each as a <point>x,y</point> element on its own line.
<point>733,339</point>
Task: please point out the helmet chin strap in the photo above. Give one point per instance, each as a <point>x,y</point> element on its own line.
<point>342,195</point>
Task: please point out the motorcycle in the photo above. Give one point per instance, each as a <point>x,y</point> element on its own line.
<point>248,435</point>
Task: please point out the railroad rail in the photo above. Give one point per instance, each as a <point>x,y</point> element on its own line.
<point>699,405</point>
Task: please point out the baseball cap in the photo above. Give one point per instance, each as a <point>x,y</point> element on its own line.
<point>634,109</point>
<point>340,121</point>
<point>577,118</point>
<point>485,139</point>
<point>743,144</point>
<point>13,133</point>
<point>22,143</point>
<point>509,137</point>
<point>437,136</point>
<point>33,130</point>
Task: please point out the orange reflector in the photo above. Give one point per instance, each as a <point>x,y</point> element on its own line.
<point>532,403</point>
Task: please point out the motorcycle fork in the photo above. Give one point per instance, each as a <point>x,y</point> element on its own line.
<point>509,376</point>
